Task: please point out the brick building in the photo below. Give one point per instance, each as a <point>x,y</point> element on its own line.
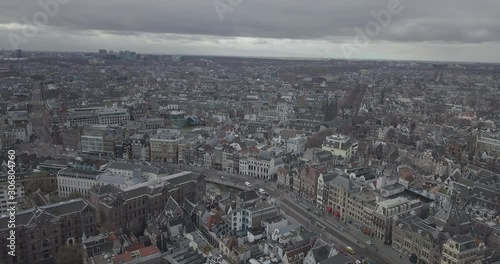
<point>42,231</point>
<point>126,210</point>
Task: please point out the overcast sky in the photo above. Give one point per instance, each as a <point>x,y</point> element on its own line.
<point>449,30</point>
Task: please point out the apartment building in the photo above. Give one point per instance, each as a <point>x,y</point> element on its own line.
<point>286,176</point>
<point>360,207</point>
<point>339,190</point>
<point>296,145</point>
<point>186,152</point>
<point>136,147</point>
<point>129,169</point>
<point>100,140</point>
<point>323,188</point>
<point>339,145</point>
<point>82,116</point>
<point>262,166</point>
<point>76,180</point>
<point>113,116</point>
<point>414,236</point>
<point>252,216</point>
<point>92,144</point>
<point>42,231</point>
<point>217,157</point>
<point>164,147</point>
<point>153,123</point>
<point>71,137</point>
<point>309,182</point>
<point>97,115</point>
<point>228,154</point>
<point>283,175</point>
<point>386,211</point>
<point>460,249</point>
<point>300,126</point>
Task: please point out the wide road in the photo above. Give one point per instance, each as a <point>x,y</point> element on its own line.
<point>341,239</point>
<point>320,231</point>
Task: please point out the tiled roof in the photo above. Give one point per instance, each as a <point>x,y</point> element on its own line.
<point>25,217</point>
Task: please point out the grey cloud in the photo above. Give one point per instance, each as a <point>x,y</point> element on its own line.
<point>425,20</point>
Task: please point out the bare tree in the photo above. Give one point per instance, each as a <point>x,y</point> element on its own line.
<point>69,255</point>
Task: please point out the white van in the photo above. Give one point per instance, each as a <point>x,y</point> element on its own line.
<point>262,191</point>
<point>248,184</point>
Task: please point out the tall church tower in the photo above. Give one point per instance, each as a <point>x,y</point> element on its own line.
<point>330,108</point>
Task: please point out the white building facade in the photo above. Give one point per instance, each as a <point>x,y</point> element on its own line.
<point>73,180</point>
<point>339,145</point>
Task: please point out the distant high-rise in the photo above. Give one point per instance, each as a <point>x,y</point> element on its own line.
<point>19,53</point>
<point>330,109</point>
<point>103,52</point>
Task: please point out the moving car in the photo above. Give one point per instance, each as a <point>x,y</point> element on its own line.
<point>369,242</point>
<point>248,184</point>
<point>350,250</point>
<point>262,191</point>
